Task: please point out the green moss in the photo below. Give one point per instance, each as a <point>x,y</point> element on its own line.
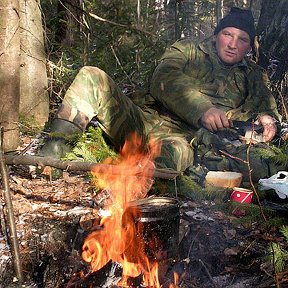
<point>29,126</point>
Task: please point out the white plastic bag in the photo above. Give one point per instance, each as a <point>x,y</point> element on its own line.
<point>278,182</point>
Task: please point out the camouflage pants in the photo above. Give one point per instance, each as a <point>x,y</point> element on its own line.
<point>94,94</point>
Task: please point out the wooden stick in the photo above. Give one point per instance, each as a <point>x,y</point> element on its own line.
<point>12,159</point>
<point>12,235</point>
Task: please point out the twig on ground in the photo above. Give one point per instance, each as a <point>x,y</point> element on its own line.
<point>252,184</point>
<point>192,243</point>
<point>208,273</point>
<point>2,219</point>
<point>261,208</point>
<point>248,247</point>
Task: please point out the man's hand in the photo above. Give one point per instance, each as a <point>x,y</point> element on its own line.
<point>214,119</point>
<point>269,126</point>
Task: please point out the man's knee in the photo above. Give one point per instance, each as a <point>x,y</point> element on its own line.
<point>176,154</point>
<point>91,70</point>
<point>95,74</point>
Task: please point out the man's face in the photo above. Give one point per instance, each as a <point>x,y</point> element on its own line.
<point>232,45</point>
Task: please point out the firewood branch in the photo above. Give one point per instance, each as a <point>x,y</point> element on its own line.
<point>12,159</point>
<point>12,235</point>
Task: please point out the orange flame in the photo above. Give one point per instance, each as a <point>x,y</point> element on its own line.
<point>176,281</point>
<point>119,239</point>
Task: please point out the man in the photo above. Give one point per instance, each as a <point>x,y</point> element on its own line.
<point>196,91</point>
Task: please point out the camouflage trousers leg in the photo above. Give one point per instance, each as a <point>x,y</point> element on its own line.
<point>176,152</point>
<point>94,94</point>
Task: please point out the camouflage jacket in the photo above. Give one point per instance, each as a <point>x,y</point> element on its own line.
<point>191,79</point>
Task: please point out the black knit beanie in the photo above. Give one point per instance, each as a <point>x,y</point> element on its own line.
<point>238,18</point>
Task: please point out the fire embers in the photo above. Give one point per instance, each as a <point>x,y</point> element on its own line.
<point>122,238</point>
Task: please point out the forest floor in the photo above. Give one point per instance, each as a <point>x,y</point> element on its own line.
<point>216,248</point>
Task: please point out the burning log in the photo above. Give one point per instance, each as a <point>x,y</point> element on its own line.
<point>105,277</point>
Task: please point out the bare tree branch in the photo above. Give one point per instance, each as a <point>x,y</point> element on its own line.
<point>86,166</point>
<point>120,25</point>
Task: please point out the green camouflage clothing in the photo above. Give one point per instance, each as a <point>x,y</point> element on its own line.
<point>189,80</point>
<point>203,81</point>
<point>93,93</point>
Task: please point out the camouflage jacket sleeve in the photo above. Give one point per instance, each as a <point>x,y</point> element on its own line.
<point>176,90</point>
<point>259,99</point>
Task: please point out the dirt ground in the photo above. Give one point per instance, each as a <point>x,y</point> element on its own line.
<point>53,218</point>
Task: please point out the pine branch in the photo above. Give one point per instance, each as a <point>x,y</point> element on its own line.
<point>284,231</point>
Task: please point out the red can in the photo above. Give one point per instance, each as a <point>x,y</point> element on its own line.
<point>241,195</point>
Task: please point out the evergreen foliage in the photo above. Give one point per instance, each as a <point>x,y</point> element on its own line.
<point>278,155</point>
<point>91,147</point>
<point>253,215</point>
<point>279,255</point>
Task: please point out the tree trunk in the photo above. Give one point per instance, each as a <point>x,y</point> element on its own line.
<point>273,28</point>
<point>9,72</point>
<point>34,101</point>
<point>68,22</point>
<point>219,10</point>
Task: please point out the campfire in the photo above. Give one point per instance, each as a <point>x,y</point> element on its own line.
<point>124,236</point>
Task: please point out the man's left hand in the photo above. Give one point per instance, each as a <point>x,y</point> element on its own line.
<point>269,126</point>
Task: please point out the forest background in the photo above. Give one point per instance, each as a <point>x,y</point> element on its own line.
<point>45,43</point>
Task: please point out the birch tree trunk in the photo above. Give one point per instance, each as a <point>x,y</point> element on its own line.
<point>9,72</point>
<point>34,101</point>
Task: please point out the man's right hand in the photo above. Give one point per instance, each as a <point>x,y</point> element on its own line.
<point>214,119</point>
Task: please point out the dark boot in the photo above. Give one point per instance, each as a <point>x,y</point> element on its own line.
<point>62,133</point>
